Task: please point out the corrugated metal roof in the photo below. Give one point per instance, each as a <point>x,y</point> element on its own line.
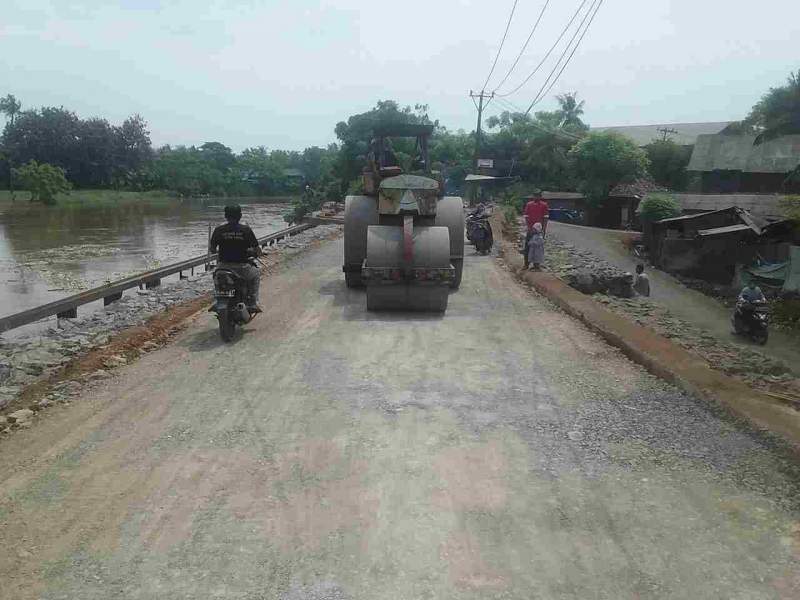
<point>686,136</point>
<point>762,205</point>
<point>690,217</point>
<point>723,230</point>
<point>737,153</point>
<point>562,195</point>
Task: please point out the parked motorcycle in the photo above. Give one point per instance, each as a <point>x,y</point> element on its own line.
<point>751,319</point>
<point>230,293</point>
<point>479,232</point>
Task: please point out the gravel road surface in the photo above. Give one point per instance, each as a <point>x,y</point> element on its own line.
<point>500,451</point>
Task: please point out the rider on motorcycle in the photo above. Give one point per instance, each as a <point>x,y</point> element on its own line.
<point>238,246</point>
<point>751,293</point>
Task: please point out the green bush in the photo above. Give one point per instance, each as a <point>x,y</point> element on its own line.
<point>513,197</point>
<point>791,208</point>
<point>43,181</point>
<point>659,206</point>
<point>304,205</point>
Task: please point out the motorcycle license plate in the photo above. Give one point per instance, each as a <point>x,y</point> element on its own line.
<point>225,293</point>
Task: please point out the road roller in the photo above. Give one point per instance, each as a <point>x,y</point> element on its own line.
<point>403,238</point>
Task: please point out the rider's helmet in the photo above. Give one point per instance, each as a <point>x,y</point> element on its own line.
<point>233,211</point>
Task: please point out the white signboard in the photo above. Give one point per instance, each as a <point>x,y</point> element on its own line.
<point>486,163</point>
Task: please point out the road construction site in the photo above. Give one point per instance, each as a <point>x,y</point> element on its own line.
<point>501,450</point>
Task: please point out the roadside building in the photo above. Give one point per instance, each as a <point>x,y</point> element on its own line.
<point>762,205</point>
<point>294,177</point>
<point>715,245</point>
<point>618,211</point>
<point>727,164</point>
<point>683,134</point>
<point>484,188</point>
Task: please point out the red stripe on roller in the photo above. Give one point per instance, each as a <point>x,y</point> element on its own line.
<point>408,241</point>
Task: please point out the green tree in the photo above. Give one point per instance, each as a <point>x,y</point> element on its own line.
<point>133,148</point>
<point>668,162</point>
<point>778,111</point>
<point>43,181</point>
<point>570,110</point>
<point>218,156</point>
<point>603,160</point>
<point>537,146</point>
<point>659,206</point>
<point>10,107</point>
<point>355,134</point>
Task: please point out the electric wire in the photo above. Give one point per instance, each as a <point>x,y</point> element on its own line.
<point>516,109</point>
<point>502,43</point>
<point>524,47</point>
<point>542,92</point>
<point>564,52</point>
<point>549,52</point>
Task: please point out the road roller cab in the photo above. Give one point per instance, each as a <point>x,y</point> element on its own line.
<point>404,240</point>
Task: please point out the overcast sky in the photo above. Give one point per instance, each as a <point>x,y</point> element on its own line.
<point>282,73</point>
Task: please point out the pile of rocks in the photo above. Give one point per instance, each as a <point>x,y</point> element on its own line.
<point>585,272</point>
<point>25,359</point>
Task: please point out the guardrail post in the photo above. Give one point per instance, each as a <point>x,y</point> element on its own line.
<point>70,313</point>
<point>112,298</point>
<point>181,275</point>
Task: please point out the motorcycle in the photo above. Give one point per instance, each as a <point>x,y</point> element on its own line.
<point>751,319</point>
<point>479,232</point>
<point>230,293</point>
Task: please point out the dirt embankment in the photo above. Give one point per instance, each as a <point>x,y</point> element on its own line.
<point>54,367</point>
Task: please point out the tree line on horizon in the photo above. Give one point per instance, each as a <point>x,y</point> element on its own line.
<point>549,149</point>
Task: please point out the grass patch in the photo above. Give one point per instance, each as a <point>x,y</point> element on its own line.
<point>90,197</point>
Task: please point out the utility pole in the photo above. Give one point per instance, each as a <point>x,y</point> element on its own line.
<point>665,131</point>
<point>480,106</point>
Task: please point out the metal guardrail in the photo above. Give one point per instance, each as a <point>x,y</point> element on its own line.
<point>67,308</point>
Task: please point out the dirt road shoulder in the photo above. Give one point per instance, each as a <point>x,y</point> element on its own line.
<point>659,355</point>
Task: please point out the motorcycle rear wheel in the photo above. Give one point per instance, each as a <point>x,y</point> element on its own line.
<point>761,337</point>
<point>227,328</point>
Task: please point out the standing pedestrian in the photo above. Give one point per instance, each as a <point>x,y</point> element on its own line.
<point>641,283</point>
<point>535,250</point>
<point>536,211</point>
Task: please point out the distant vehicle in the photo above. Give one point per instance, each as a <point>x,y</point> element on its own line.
<point>566,215</point>
<point>230,293</point>
<point>479,231</point>
<point>751,319</point>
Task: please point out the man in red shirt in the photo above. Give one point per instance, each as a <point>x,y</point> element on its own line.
<point>536,211</point>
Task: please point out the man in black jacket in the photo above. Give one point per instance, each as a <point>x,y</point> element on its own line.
<point>238,246</point>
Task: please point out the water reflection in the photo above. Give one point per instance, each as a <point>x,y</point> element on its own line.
<point>47,253</point>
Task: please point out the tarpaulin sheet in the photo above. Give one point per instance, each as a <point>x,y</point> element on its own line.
<point>785,275</point>
<point>792,281</point>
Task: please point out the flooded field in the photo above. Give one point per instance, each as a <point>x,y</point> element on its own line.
<point>47,253</point>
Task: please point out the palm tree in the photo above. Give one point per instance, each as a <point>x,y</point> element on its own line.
<point>570,110</point>
<point>10,107</point>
